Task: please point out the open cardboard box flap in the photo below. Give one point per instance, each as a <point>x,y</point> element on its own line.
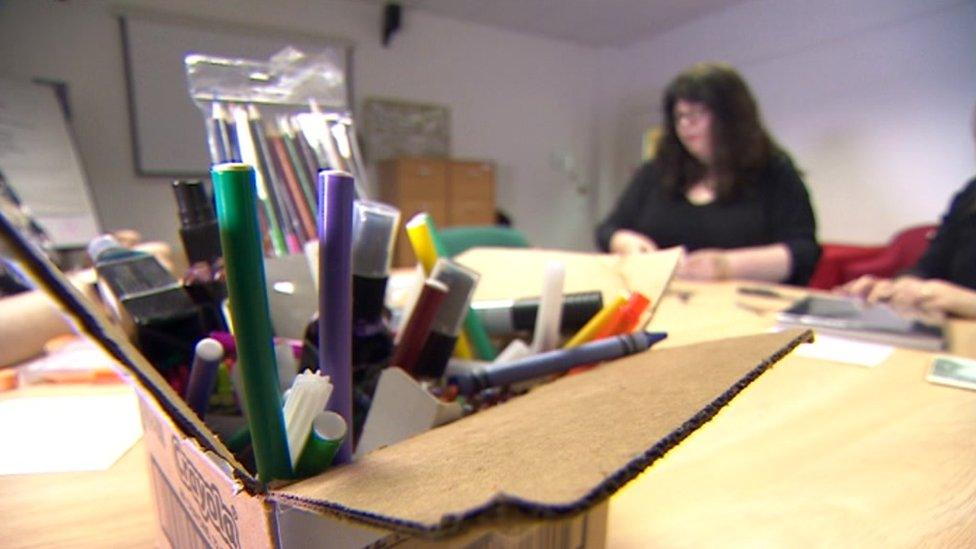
<point>557,451</point>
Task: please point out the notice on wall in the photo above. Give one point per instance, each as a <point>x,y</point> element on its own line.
<point>39,161</point>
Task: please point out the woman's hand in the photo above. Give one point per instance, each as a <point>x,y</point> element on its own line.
<point>913,292</point>
<point>942,296</point>
<point>707,264</point>
<point>625,241</point>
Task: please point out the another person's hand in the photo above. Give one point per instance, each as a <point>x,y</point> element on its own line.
<point>707,264</point>
<point>625,241</point>
<point>903,291</point>
<point>914,292</point>
<point>942,296</point>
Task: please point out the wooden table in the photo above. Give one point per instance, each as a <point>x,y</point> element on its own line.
<point>112,508</point>
<point>813,453</point>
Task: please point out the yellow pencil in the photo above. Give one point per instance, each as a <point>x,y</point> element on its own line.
<point>596,323</point>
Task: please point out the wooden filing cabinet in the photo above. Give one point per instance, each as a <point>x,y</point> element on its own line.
<point>453,192</point>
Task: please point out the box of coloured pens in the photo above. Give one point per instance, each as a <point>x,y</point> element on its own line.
<point>342,430</point>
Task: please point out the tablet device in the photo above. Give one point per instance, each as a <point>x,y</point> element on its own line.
<point>953,371</point>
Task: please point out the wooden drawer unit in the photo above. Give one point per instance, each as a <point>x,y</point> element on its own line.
<point>453,192</point>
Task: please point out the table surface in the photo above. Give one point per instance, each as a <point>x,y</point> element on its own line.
<point>812,453</point>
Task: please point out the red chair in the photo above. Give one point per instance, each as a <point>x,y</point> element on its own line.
<point>904,251</point>
<point>840,263</point>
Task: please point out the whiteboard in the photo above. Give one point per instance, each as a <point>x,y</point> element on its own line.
<point>168,131</point>
<point>39,160</point>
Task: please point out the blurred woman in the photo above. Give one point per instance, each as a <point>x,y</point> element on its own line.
<point>719,186</point>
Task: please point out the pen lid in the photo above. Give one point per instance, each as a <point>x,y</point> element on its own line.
<point>374,226</point>
<point>461,283</point>
<point>193,203</point>
<point>101,244</point>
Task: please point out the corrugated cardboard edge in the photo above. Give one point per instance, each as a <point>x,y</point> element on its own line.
<point>510,508</point>
<point>137,370</point>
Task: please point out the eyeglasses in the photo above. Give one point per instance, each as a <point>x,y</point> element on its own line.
<point>691,116</point>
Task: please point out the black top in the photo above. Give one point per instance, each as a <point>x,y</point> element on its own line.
<point>776,209</point>
<point>952,254</point>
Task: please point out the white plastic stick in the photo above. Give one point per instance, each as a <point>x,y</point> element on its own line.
<point>546,335</point>
<point>307,397</point>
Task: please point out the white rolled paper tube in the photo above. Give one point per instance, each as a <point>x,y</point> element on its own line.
<point>546,335</point>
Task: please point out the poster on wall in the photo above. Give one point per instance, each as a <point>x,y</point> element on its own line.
<point>399,128</point>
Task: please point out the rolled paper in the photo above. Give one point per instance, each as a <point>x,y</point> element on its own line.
<point>337,191</point>
<point>546,336</point>
<point>328,432</point>
<point>240,241</point>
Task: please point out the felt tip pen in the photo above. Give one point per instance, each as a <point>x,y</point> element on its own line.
<point>198,222</point>
<point>417,328</point>
<point>474,334</point>
<point>553,362</point>
<point>203,374</point>
<point>446,325</point>
<point>374,226</point>
<point>336,192</point>
<point>508,316</point>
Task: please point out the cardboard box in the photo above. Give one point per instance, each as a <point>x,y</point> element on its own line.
<point>533,472</point>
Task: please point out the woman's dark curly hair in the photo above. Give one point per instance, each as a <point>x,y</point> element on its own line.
<point>741,147</point>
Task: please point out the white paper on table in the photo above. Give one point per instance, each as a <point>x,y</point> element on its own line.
<point>847,351</point>
<point>54,434</point>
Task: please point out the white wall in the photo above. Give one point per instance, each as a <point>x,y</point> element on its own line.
<point>873,98</point>
<point>514,99</point>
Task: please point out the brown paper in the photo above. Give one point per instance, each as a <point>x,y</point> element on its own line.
<point>556,451</point>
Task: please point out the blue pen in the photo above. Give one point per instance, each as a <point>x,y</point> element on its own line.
<point>553,362</point>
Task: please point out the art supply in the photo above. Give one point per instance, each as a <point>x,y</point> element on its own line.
<point>307,397</point>
<point>446,326</point>
<point>760,291</point>
<point>374,228</point>
<point>418,325</point>
<point>328,432</point>
<point>240,238</point>
<point>473,330</point>
<point>508,316</point>
<point>150,304</point>
<point>286,363</point>
<point>249,132</point>
<point>203,279</point>
<point>336,194</point>
<point>590,329</point>
<point>546,334</point>
<point>422,240</point>
<point>626,319</point>
<point>553,362</point>
<point>203,374</point>
<point>198,222</point>
<point>516,350</point>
